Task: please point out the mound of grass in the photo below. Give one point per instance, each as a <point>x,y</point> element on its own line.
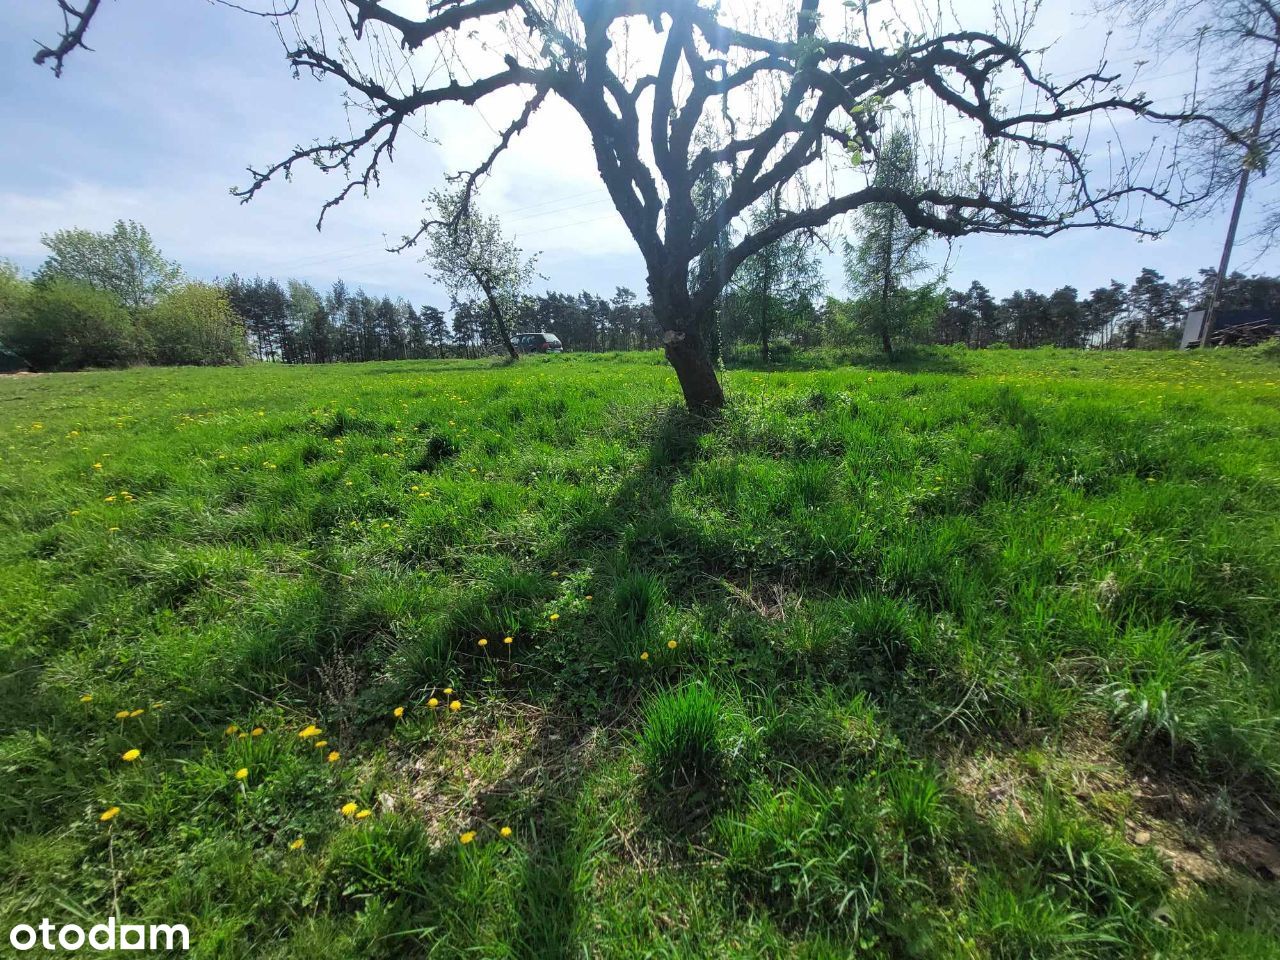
<point>893,659</point>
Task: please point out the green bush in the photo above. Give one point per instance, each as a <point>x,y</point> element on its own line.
<point>194,325</point>
<point>68,326</point>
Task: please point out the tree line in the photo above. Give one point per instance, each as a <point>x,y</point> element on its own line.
<point>113,299</point>
<point>293,322</point>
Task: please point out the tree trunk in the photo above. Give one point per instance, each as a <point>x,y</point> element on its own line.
<point>764,330</point>
<point>697,376</point>
<point>498,319</point>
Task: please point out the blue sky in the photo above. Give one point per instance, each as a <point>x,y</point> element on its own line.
<point>181,95</point>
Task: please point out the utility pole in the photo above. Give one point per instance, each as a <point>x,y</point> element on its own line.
<point>1249,159</point>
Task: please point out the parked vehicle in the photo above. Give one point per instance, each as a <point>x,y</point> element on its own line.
<point>538,343</point>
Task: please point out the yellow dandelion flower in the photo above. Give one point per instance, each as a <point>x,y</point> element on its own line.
<point>87,698</point>
<point>555,573</point>
<point>108,814</point>
<point>230,730</point>
<point>320,744</point>
<point>334,756</point>
<point>645,655</point>
<point>508,640</point>
<point>137,713</point>
<point>242,773</point>
<point>455,706</point>
<point>257,731</point>
<point>505,831</point>
<point>467,837</point>
<point>309,731</point>
<point>298,844</point>
<point>109,499</point>
<point>555,616</point>
<point>122,714</point>
<point>364,813</point>
<point>482,642</point>
<point>113,529</point>
<point>131,755</point>
<point>349,809</point>
<point>398,712</point>
<point>97,466</point>
<point>242,736</point>
<point>447,691</point>
<point>75,513</point>
<point>671,644</point>
<point>433,703</point>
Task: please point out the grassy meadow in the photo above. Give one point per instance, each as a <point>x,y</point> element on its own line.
<point>975,655</point>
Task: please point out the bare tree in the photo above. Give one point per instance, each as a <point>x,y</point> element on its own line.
<point>768,95</point>
<point>1236,48</point>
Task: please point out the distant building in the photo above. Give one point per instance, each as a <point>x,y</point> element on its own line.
<point>1230,326</point>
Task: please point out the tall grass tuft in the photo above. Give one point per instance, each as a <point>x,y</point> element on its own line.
<point>684,737</point>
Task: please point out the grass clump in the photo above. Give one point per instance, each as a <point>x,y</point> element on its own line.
<point>688,737</point>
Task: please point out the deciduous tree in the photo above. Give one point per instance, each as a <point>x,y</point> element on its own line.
<point>767,95</point>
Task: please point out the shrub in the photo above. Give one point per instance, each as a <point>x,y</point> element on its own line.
<point>68,325</point>
<point>194,325</point>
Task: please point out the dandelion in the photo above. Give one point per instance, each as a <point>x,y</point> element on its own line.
<point>671,644</point>
<point>447,691</point>
<point>349,809</point>
<point>590,597</point>
<point>298,844</point>
<point>398,712</point>
<point>645,655</point>
<point>334,756</point>
<point>242,773</point>
<point>230,730</point>
<point>257,731</point>
<point>555,573</point>
<point>75,513</point>
<point>122,714</point>
<point>467,837</point>
<point>320,744</point>
<point>108,814</point>
<point>157,705</point>
<point>433,703</point>
<point>508,640</point>
<point>131,755</point>
<point>137,713</point>
<point>87,698</point>
<point>555,616</point>
<point>97,466</point>
<point>505,831</point>
<point>482,642</point>
<point>309,731</point>
<point>113,529</point>
<point>364,813</point>
<point>455,706</point>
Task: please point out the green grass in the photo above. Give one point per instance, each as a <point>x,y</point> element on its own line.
<point>970,655</point>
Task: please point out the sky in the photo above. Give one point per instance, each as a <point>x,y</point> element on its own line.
<point>179,97</point>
